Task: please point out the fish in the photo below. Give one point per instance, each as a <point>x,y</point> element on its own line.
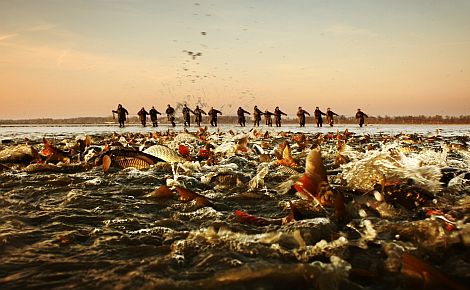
<point>62,168</point>
<point>286,170</point>
<point>183,150</point>
<point>19,154</point>
<point>162,191</point>
<point>185,138</point>
<point>407,195</point>
<point>284,156</point>
<point>258,180</point>
<point>187,195</point>
<point>313,185</point>
<point>421,275</point>
<point>122,158</point>
<point>246,218</point>
<point>54,154</point>
<point>164,153</point>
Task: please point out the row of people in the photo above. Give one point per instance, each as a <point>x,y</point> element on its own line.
<point>213,113</point>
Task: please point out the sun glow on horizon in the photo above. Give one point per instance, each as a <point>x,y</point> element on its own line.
<point>80,59</point>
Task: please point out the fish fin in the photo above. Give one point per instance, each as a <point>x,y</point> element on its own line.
<point>314,165</point>
<point>186,195</point>
<point>247,218</point>
<point>162,191</point>
<point>88,141</point>
<point>423,273</point>
<point>106,163</point>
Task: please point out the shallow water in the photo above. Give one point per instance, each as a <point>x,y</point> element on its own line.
<point>91,229</point>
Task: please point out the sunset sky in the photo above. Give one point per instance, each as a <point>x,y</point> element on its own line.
<point>61,58</point>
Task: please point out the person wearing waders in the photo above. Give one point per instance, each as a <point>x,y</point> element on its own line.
<point>143,116</point>
<point>330,116</point>
<point>256,116</point>
<point>198,112</point>
<point>318,117</point>
<point>213,115</point>
<point>360,115</point>
<point>121,112</point>
<point>153,116</point>
<point>268,118</point>
<point>186,115</point>
<point>241,116</point>
<point>170,113</point>
<point>277,116</point>
<point>301,115</point>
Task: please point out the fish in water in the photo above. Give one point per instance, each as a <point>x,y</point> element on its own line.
<point>122,158</point>
<point>313,185</point>
<point>60,168</point>
<point>164,153</point>
<point>187,195</point>
<point>54,154</point>
<point>19,154</point>
<point>421,275</point>
<point>244,217</point>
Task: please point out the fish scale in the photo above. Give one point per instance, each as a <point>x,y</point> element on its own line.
<point>185,137</point>
<point>126,161</point>
<point>287,170</point>
<point>164,153</point>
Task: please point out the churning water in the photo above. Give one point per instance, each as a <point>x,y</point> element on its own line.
<point>405,192</point>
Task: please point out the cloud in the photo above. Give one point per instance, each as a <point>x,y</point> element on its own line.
<point>348,30</point>
<point>6,36</point>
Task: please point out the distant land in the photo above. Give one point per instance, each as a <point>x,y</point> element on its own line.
<point>421,119</point>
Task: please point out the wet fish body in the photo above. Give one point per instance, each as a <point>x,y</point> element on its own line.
<point>164,153</point>
<point>18,154</point>
<point>130,158</point>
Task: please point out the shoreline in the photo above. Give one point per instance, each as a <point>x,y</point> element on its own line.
<point>233,120</point>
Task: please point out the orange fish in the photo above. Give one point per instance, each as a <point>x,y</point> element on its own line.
<point>53,153</point>
<point>286,158</point>
<point>187,195</point>
<point>162,191</point>
<point>313,185</point>
<point>421,275</point>
<point>183,150</point>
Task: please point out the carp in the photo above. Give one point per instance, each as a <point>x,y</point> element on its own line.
<point>128,158</point>
<point>164,153</point>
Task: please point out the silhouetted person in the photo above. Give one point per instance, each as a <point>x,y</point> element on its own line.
<point>143,116</point>
<point>187,115</point>
<point>318,117</point>
<point>301,115</point>
<point>360,117</point>
<point>198,112</point>
<point>153,116</point>
<point>330,116</point>
<point>170,113</point>
<point>268,118</point>
<point>241,116</point>
<point>213,115</point>
<point>121,112</point>
<point>277,116</point>
<point>256,116</point>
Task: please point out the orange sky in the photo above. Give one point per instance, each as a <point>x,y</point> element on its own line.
<point>81,58</point>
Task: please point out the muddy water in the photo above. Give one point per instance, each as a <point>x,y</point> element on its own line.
<point>88,229</point>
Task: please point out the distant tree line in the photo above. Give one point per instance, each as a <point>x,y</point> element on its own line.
<point>421,119</point>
